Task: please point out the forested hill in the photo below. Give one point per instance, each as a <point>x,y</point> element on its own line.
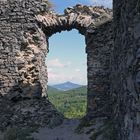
<point>71,103</point>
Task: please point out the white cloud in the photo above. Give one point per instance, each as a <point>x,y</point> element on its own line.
<point>49,70</point>
<point>55,63</point>
<point>68,64</point>
<point>77,70</point>
<point>75,76</point>
<point>52,76</point>
<point>55,78</point>
<point>59,72</point>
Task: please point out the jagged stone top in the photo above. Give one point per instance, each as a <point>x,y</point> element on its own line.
<point>92,11</point>
<point>88,10</point>
<point>82,17</point>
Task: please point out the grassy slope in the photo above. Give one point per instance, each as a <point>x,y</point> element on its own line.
<point>71,103</point>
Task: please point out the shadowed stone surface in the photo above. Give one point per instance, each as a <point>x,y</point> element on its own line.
<point>125,68</point>
<point>112,63</point>
<point>28,113</point>
<point>25,28</point>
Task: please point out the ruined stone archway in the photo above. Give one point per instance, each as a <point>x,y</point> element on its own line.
<point>23,75</point>
<point>24,46</point>
<point>83,18</point>
<point>92,22</point>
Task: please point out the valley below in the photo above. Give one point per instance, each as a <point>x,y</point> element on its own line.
<point>71,103</point>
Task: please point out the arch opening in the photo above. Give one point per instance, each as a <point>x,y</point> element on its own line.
<point>67,73</point>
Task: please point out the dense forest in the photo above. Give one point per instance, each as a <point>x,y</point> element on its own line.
<point>71,103</point>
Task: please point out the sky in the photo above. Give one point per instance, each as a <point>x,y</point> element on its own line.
<point>60,5</point>
<point>67,59</point>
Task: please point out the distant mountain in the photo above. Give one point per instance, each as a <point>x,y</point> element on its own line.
<point>79,91</point>
<point>66,86</point>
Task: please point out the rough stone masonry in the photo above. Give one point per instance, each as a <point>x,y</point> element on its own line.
<point>24,31</point>
<point>112,49</point>
<point>126,68</point>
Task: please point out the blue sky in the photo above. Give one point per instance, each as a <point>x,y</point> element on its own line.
<point>66,60</point>
<point>60,5</point>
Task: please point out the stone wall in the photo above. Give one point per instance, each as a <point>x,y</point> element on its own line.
<point>23,49</point>
<point>95,24</point>
<point>99,46</point>
<point>113,64</point>
<point>24,31</point>
<point>83,18</point>
<point>125,68</point>
<point>23,73</point>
